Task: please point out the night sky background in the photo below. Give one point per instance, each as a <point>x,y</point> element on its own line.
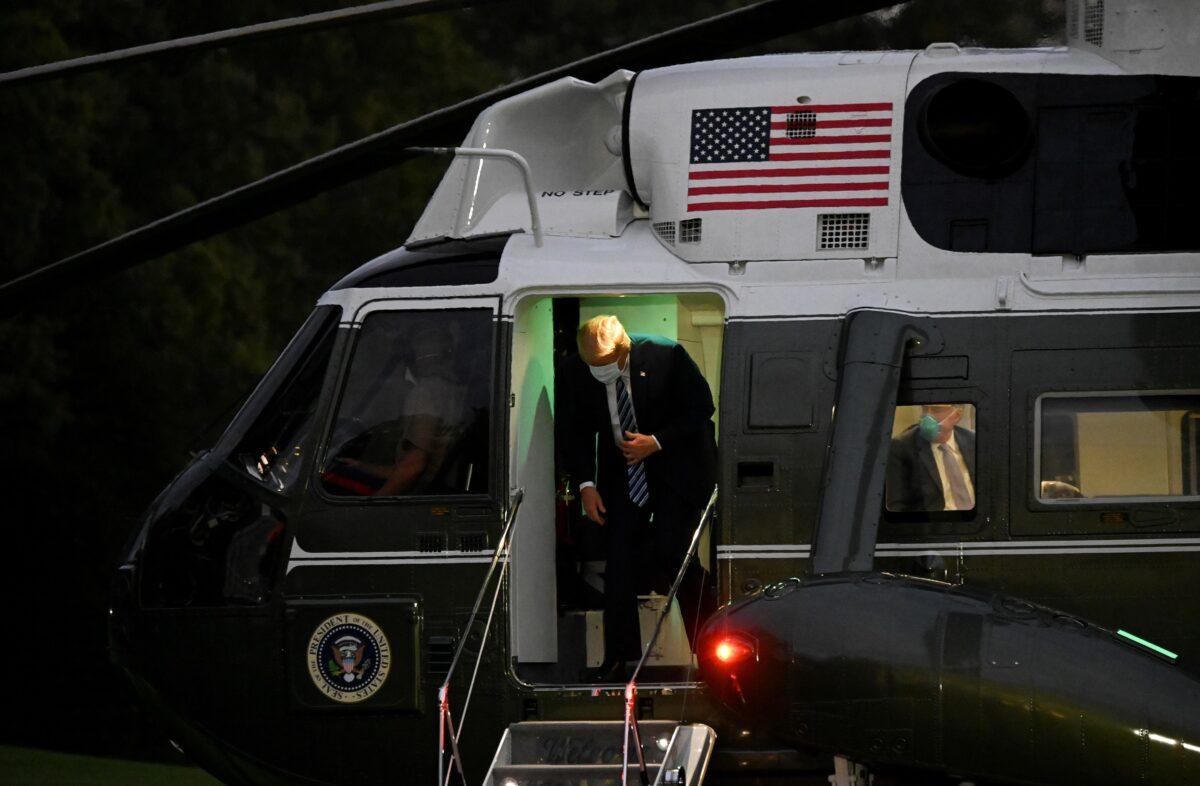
<point>106,389</point>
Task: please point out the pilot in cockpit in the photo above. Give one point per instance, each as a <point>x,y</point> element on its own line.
<point>433,417</point>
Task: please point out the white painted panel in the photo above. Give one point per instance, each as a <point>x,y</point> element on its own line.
<point>533,597</point>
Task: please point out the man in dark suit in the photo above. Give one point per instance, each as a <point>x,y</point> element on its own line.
<point>931,465</point>
<point>643,455</point>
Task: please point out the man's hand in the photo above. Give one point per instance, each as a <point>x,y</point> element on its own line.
<point>637,447</point>
<point>593,506</point>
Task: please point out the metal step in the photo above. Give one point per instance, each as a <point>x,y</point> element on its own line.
<point>588,753</point>
<point>583,742</point>
<point>566,774</point>
<point>686,758</point>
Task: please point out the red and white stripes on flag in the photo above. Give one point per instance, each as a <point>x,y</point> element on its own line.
<point>801,156</point>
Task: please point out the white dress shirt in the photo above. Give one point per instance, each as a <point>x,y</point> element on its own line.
<point>947,493</point>
<point>614,414</point>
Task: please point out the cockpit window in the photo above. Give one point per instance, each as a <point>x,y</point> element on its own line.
<point>415,411</point>
<point>274,447</point>
<point>1098,446</point>
<point>931,462</point>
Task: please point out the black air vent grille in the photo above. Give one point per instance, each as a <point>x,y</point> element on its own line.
<point>1093,22</point>
<point>801,125</point>
<point>431,541</point>
<point>689,230</point>
<point>666,231</point>
<point>473,541</point>
<point>843,230</point>
<point>439,655</point>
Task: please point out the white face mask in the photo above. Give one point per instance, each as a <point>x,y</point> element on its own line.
<point>607,373</point>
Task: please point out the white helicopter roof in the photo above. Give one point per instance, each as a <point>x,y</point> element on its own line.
<point>631,178</point>
<point>687,122</point>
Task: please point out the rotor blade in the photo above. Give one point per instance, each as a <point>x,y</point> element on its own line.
<point>300,24</point>
<point>731,30</point>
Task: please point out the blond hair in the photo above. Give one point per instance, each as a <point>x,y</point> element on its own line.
<point>600,336</point>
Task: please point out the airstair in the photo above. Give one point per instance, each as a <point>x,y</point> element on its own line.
<point>589,753</point>
<point>579,753</point>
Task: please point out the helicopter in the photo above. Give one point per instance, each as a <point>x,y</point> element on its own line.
<point>845,243</point>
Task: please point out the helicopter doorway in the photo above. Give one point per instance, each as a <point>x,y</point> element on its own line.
<point>559,557</point>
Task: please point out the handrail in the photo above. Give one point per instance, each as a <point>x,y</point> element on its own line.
<point>445,719</point>
<point>514,158</point>
<point>631,725</point>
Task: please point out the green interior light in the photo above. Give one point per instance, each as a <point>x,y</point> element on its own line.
<point>1147,644</point>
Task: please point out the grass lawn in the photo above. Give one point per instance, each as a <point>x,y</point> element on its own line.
<point>32,767</point>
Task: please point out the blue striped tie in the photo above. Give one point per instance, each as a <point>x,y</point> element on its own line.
<point>639,492</point>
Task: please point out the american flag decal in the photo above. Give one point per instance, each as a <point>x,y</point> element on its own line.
<point>804,156</point>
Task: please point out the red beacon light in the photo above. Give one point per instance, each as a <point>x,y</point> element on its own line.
<point>732,650</point>
<point>725,654</point>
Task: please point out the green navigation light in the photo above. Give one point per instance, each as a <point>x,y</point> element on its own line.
<point>1148,645</point>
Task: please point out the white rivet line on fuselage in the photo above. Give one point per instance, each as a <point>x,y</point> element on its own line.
<point>976,548</point>
<point>370,558</point>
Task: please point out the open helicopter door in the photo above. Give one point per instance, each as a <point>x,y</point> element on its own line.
<point>403,507</point>
<point>559,558</point>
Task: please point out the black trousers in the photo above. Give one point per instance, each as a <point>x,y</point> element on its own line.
<point>645,548</point>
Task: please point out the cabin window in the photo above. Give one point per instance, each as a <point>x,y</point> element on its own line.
<point>1116,446</point>
<point>415,408</point>
<point>931,461</point>
<point>1053,163</point>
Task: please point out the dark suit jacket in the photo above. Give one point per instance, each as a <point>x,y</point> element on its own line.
<point>913,483</point>
<point>671,401</point>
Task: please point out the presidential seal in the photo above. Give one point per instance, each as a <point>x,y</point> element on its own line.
<point>348,658</point>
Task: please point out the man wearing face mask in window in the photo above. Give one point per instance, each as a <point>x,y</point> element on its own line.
<point>643,456</point>
<point>931,465</point>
